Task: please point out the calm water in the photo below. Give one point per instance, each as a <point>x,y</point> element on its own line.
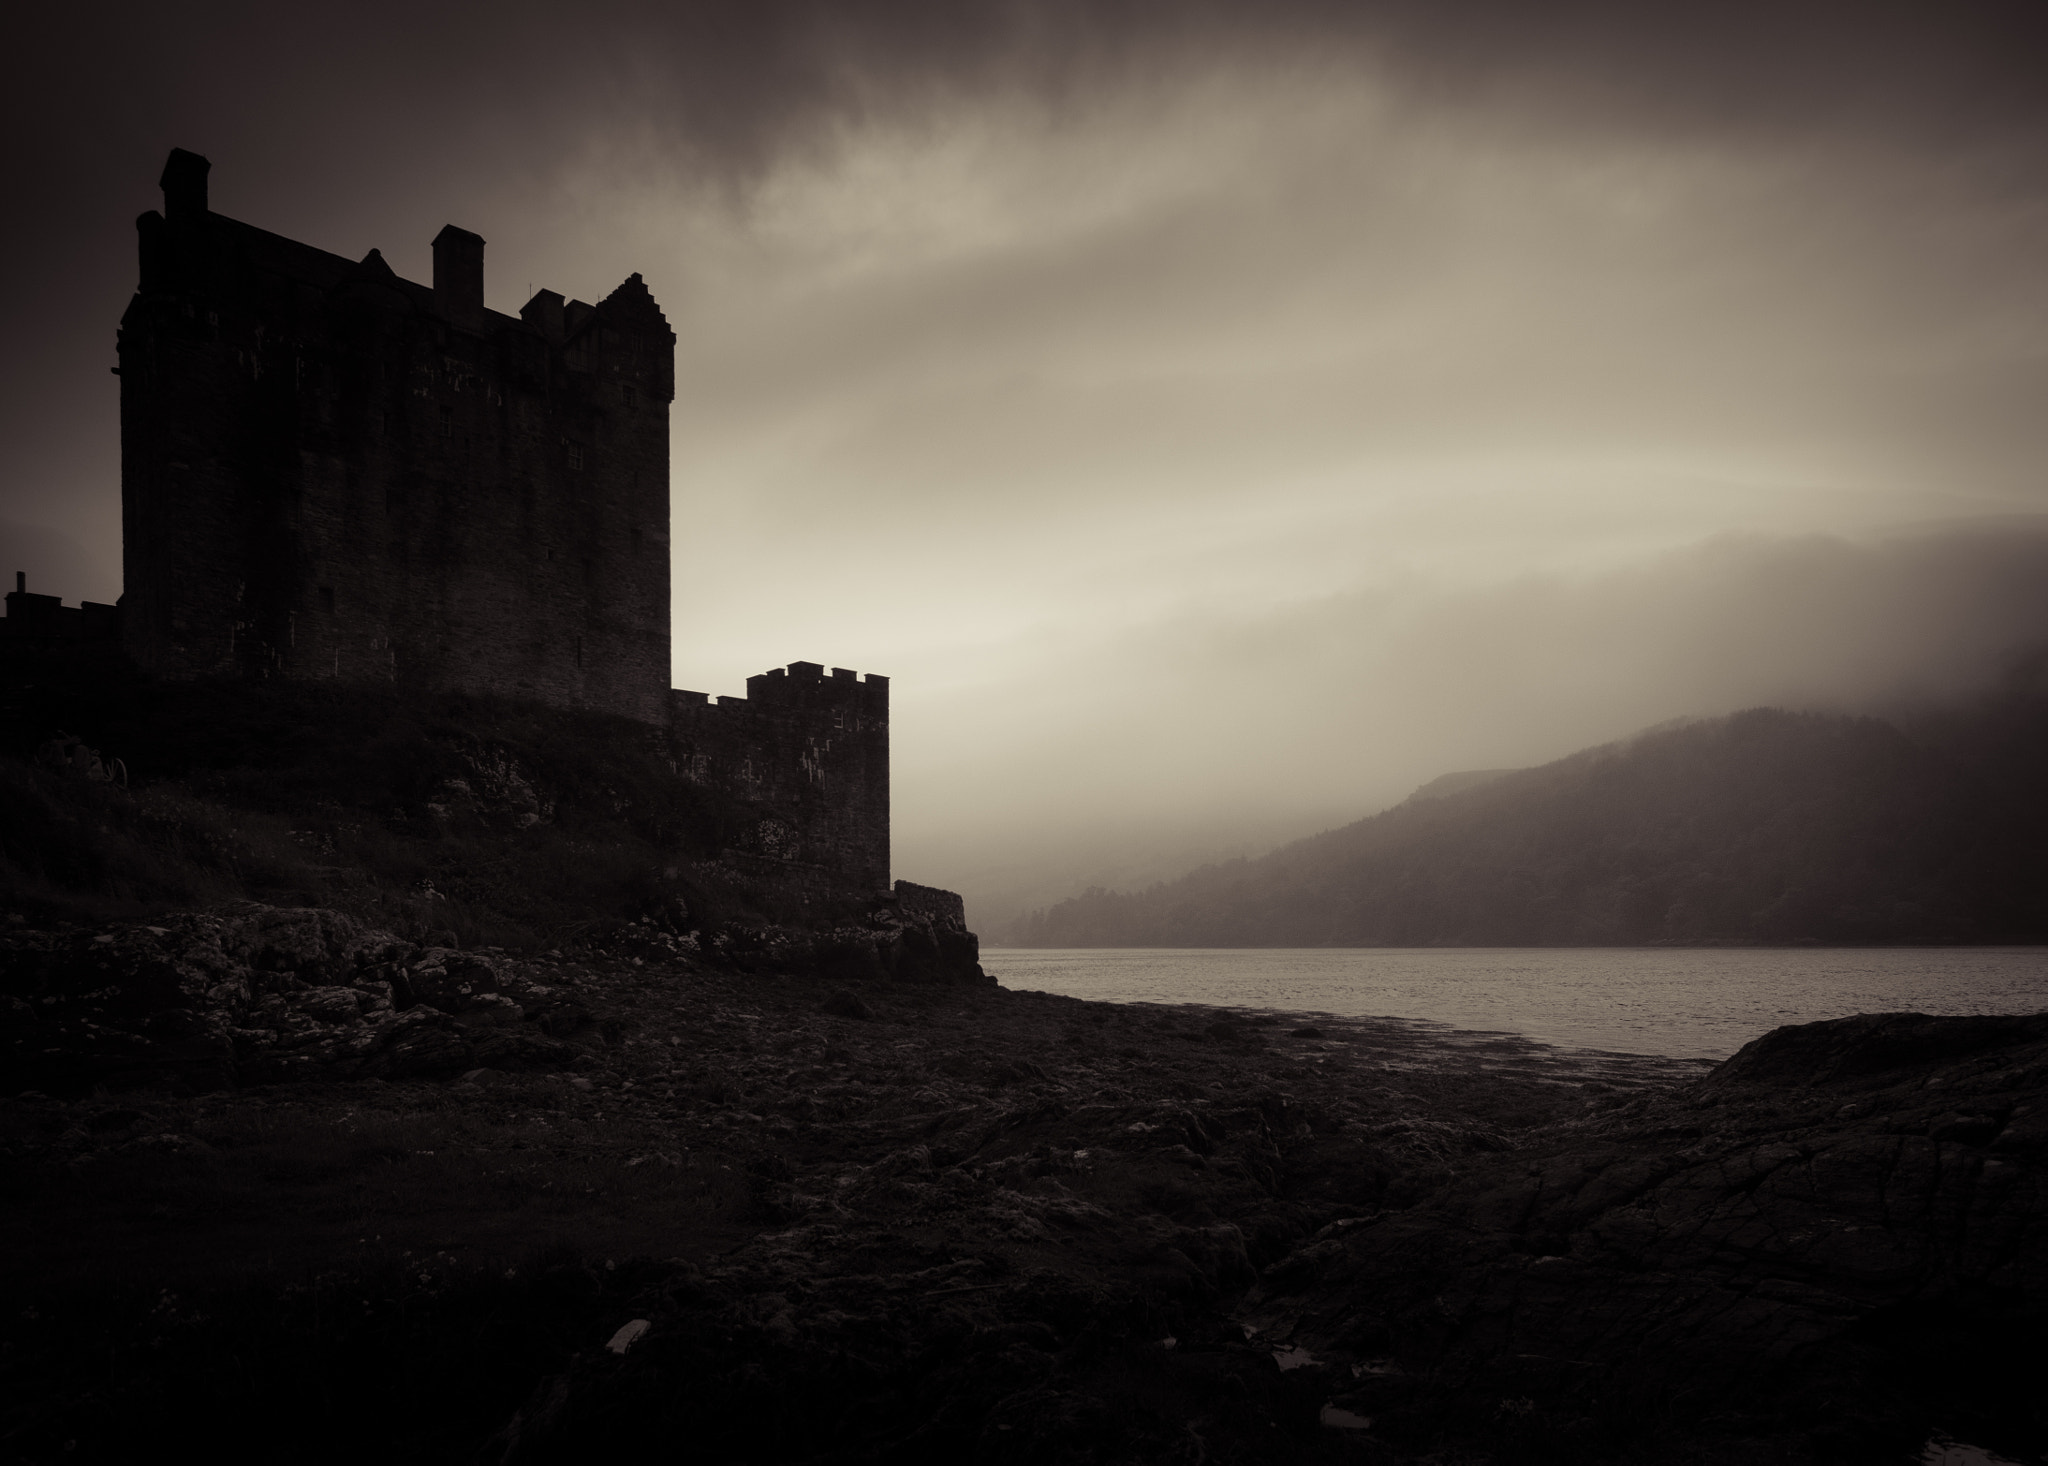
<point>1683,1002</point>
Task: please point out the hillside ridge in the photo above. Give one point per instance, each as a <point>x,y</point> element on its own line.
<point>1766,826</point>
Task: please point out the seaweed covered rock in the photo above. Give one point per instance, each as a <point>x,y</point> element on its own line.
<point>1840,1234</point>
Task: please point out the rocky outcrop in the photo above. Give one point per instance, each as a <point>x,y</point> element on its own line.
<point>906,941</point>
<point>253,994</point>
<point>1840,1235</point>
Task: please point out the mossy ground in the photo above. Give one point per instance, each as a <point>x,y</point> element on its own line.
<point>502,823</point>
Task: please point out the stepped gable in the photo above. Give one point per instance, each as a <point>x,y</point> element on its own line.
<point>632,305</point>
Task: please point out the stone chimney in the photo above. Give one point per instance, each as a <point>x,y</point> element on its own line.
<point>184,186</point>
<point>544,314</point>
<point>459,276</point>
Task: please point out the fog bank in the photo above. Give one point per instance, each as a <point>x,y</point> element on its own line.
<point>1207,735</point>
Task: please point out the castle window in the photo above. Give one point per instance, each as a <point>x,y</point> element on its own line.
<point>576,457</point>
<point>632,396</point>
<point>327,598</point>
<point>447,422</point>
<point>579,651</point>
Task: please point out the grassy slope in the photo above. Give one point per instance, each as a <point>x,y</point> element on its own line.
<point>505,824</point>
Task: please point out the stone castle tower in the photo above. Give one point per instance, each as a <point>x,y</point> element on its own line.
<point>328,472</point>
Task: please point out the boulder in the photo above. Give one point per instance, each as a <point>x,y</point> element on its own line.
<point>330,1004</point>
<point>317,945</point>
<point>450,981</point>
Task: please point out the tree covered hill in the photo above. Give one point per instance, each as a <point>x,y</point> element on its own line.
<point>1765,826</point>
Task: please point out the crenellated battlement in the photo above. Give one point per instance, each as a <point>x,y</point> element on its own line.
<point>792,689</point>
<point>806,681</point>
<point>809,752</point>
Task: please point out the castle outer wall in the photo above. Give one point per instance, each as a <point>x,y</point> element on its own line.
<point>807,757</point>
<point>331,472</point>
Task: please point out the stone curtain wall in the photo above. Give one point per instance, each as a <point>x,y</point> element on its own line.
<point>329,471</point>
<point>930,901</point>
<point>807,757</point>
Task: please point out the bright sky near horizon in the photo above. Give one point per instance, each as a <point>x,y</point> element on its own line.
<point>1216,418</point>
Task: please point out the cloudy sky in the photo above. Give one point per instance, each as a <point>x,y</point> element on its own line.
<point>1217,418</point>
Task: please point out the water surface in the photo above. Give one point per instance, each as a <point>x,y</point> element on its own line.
<point>1682,1002</point>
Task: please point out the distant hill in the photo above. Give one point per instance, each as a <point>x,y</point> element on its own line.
<point>1457,783</point>
<point>1762,827</point>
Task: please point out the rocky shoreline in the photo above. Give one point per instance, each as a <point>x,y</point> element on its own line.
<point>838,1198</point>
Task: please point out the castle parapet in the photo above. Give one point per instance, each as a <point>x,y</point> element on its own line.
<point>804,684</point>
<point>806,754</point>
<point>931,901</point>
<point>41,619</point>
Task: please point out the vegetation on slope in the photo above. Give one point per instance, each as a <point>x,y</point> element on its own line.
<point>1763,827</point>
<point>496,822</point>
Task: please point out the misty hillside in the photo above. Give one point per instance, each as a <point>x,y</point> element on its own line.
<point>1766,826</point>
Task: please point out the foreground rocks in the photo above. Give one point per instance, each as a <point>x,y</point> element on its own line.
<point>876,1219</point>
<point>255,994</point>
<point>1837,1239</point>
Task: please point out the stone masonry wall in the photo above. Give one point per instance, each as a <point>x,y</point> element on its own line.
<point>808,756</point>
<point>332,472</point>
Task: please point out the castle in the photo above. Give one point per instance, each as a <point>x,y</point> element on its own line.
<point>330,472</point>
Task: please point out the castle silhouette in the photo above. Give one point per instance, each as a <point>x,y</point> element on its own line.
<point>332,473</point>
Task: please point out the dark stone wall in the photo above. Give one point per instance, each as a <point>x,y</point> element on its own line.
<point>806,755</point>
<point>931,903</point>
<point>34,619</point>
<point>330,472</point>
